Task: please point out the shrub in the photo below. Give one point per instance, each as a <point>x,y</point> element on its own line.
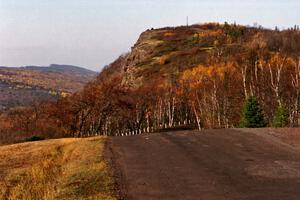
<point>252,114</point>
<point>281,118</point>
<point>163,60</point>
<point>169,34</point>
<point>34,138</point>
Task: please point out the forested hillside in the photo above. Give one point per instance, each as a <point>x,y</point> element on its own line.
<point>199,76</point>
<point>21,86</point>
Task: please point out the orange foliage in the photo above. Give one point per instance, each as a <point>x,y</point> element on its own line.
<point>169,34</point>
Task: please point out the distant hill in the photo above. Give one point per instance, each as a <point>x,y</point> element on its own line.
<point>20,86</point>
<point>70,69</point>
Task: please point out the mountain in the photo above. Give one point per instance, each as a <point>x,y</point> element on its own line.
<point>20,86</point>
<point>167,52</point>
<point>203,74</point>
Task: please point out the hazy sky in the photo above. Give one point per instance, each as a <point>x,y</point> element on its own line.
<point>92,33</point>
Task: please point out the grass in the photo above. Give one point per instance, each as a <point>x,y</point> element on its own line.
<point>55,169</point>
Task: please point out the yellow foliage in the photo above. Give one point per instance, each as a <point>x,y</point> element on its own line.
<point>201,75</point>
<point>208,33</point>
<point>193,77</point>
<point>277,59</point>
<point>169,34</point>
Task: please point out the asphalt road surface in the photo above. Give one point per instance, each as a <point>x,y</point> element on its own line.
<point>230,164</point>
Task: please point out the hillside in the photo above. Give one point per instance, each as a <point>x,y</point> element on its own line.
<point>21,86</point>
<point>203,74</point>
<point>187,77</point>
<point>167,52</point>
<point>55,169</point>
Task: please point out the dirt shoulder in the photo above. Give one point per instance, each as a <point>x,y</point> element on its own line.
<point>213,164</point>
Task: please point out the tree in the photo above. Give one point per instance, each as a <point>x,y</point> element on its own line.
<point>252,115</point>
<point>276,67</point>
<point>281,118</point>
<point>296,86</point>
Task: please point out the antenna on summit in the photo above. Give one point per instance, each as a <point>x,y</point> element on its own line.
<point>187,20</point>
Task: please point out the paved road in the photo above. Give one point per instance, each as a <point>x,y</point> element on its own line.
<point>211,165</point>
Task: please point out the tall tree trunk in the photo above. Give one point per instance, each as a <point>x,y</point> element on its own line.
<point>296,85</point>
<point>275,80</point>
<point>197,116</point>
<point>244,76</point>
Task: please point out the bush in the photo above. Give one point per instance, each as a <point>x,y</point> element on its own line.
<point>281,118</point>
<point>163,60</point>
<point>34,138</point>
<point>252,114</point>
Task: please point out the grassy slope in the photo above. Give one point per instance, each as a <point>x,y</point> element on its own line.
<point>55,169</point>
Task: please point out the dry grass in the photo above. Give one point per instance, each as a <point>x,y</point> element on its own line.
<point>55,169</point>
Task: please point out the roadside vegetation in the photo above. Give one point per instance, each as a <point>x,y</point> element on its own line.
<point>55,169</point>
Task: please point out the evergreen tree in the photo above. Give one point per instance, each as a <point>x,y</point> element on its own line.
<point>252,114</point>
<point>281,118</point>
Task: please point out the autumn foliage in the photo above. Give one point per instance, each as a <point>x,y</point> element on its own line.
<point>209,73</point>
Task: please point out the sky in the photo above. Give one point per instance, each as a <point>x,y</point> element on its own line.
<point>93,33</point>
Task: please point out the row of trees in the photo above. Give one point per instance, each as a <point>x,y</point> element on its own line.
<point>205,96</point>
<point>209,96</point>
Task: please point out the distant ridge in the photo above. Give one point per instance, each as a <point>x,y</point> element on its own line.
<point>20,86</point>
<point>56,68</point>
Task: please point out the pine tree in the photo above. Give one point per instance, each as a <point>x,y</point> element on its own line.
<point>281,118</point>
<point>252,114</point>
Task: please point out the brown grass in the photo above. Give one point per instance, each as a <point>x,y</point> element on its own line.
<point>55,169</point>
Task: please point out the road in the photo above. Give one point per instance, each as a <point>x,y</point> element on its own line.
<point>220,164</point>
